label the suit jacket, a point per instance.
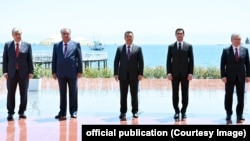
(232, 69)
(24, 61)
(180, 63)
(69, 65)
(124, 66)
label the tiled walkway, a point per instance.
(101, 106)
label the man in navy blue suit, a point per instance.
(17, 69)
(67, 68)
(128, 70)
(235, 71)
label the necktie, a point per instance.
(236, 54)
(17, 54)
(17, 50)
(128, 52)
(65, 49)
(179, 46)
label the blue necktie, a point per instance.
(65, 49)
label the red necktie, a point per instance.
(17, 53)
(128, 52)
(236, 54)
(17, 50)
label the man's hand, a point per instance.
(224, 80)
(190, 77)
(30, 75)
(79, 75)
(248, 79)
(116, 77)
(54, 76)
(5, 75)
(170, 77)
(140, 77)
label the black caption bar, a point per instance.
(163, 132)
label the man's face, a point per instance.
(179, 35)
(66, 36)
(129, 37)
(236, 41)
(17, 36)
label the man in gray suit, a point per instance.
(67, 68)
(17, 69)
(235, 70)
(180, 65)
(128, 69)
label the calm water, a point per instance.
(154, 55)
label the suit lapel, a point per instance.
(12, 48)
(242, 52)
(133, 49)
(23, 47)
(124, 51)
(60, 47)
(231, 50)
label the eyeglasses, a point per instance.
(179, 33)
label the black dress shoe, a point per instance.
(228, 119)
(183, 116)
(176, 116)
(74, 116)
(10, 117)
(122, 117)
(60, 117)
(135, 115)
(22, 116)
(240, 119)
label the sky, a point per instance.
(152, 21)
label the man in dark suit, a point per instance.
(17, 68)
(128, 69)
(67, 68)
(180, 65)
(235, 70)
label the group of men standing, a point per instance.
(128, 70)
(18, 69)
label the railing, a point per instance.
(87, 58)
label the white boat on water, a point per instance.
(97, 46)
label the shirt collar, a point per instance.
(130, 46)
(236, 47)
(180, 42)
(17, 42)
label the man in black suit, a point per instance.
(235, 70)
(180, 65)
(67, 68)
(17, 69)
(128, 69)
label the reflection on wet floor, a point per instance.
(100, 106)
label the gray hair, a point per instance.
(67, 30)
(235, 35)
(16, 30)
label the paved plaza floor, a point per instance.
(98, 103)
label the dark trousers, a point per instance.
(175, 93)
(124, 85)
(23, 88)
(71, 83)
(240, 88)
